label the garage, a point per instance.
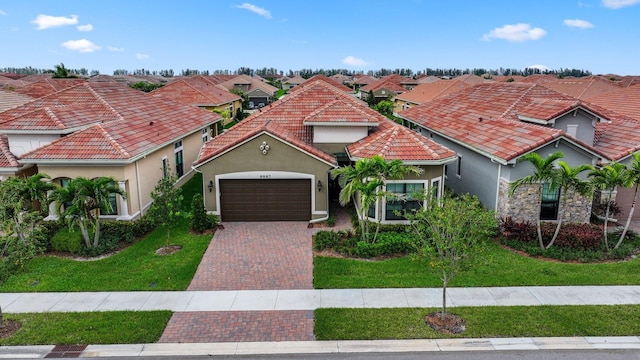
(625, 200)
(265, 199)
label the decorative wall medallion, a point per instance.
(264, 148)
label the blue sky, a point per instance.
(597, 35)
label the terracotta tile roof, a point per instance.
(485, 117)
(318, 101)
(10, 99)
(339, 112)
(428, 91)
(331, 81)
(390, 82)
(625, 101)
(7, 159)
(618, 138)
(396, 142)
(196, 90)
(427, 79)
(471, 79)
(47, 86)
(252, 82)
(581, 88)
(121, 123)
(364, 79)
(296, 80)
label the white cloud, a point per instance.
(617, 4)
(258, 10)
(82, 45)
(2, 12)
(538, 66)
(115, 49)
(515, 33)
(354, 61)
(581, 24)
(46, 21)
(142, 56)
(87, 27)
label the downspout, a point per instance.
(139, 190)
(498, 186)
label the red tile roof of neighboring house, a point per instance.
(390, 82)
(471, 79)
(485, 117)
(316, 101)
(119, 123)
(581, 88)
(396, 142)
(47, 86)
(364, 79)
(428, 91)
(252, 82)
(196, 90)
(331, 81)
(10, 99)
(625, 101)
(7, 159)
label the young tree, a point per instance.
(543, 169)
(85, 199)
(607, 178)
(448, 234)
(167, 200)
(632, 178)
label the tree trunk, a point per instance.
(445, 281)
(626, 226)
(538, 226)
(96, 235)
(85, 233)
(1, 319)
(560, 217)
(606, 222)
(379, 204)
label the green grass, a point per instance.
(497, 267)
(114, 327)
(482, 322)
(135, 268)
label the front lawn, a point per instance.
(136, 268)
(113, 327)
(499, 267)
(482, 322)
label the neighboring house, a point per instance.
(47, 86)
(9, 165)
(274, 165)
(582, 88)
(491, 126)
(387, 87)
(107, 129)
(425, 92)
(200, 91)
(290, 83)
(259, 93)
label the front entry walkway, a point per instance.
(257, 256)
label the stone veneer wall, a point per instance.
(524, 205)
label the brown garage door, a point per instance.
(624, 200)
(265, 200)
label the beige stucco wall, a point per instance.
(249, 160)
(140, 177)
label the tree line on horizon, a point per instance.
(307, 73)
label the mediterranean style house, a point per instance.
(95, 129)
(274, 165)
(491, 126)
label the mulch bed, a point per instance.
(451, 324)
(10, 328)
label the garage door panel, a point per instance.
(265, 200)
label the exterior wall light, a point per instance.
(319, 185)
(264, 147)
(210, 186)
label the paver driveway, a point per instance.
(257, 256)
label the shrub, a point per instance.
(199, 220)
(389, 243)
(326, 240)
(66, 240)
(118, 231)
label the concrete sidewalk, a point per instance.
(259, 300)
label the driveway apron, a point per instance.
(257, 256)
(250, 256)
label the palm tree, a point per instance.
(567, 178)
(608, 178)
(36, 190)
(632, 178)
(85, 199)
(543, 169)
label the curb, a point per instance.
(328, 347)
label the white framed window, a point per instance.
(165, 166)
(205, 134)
(459, 168)
(177, 149)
